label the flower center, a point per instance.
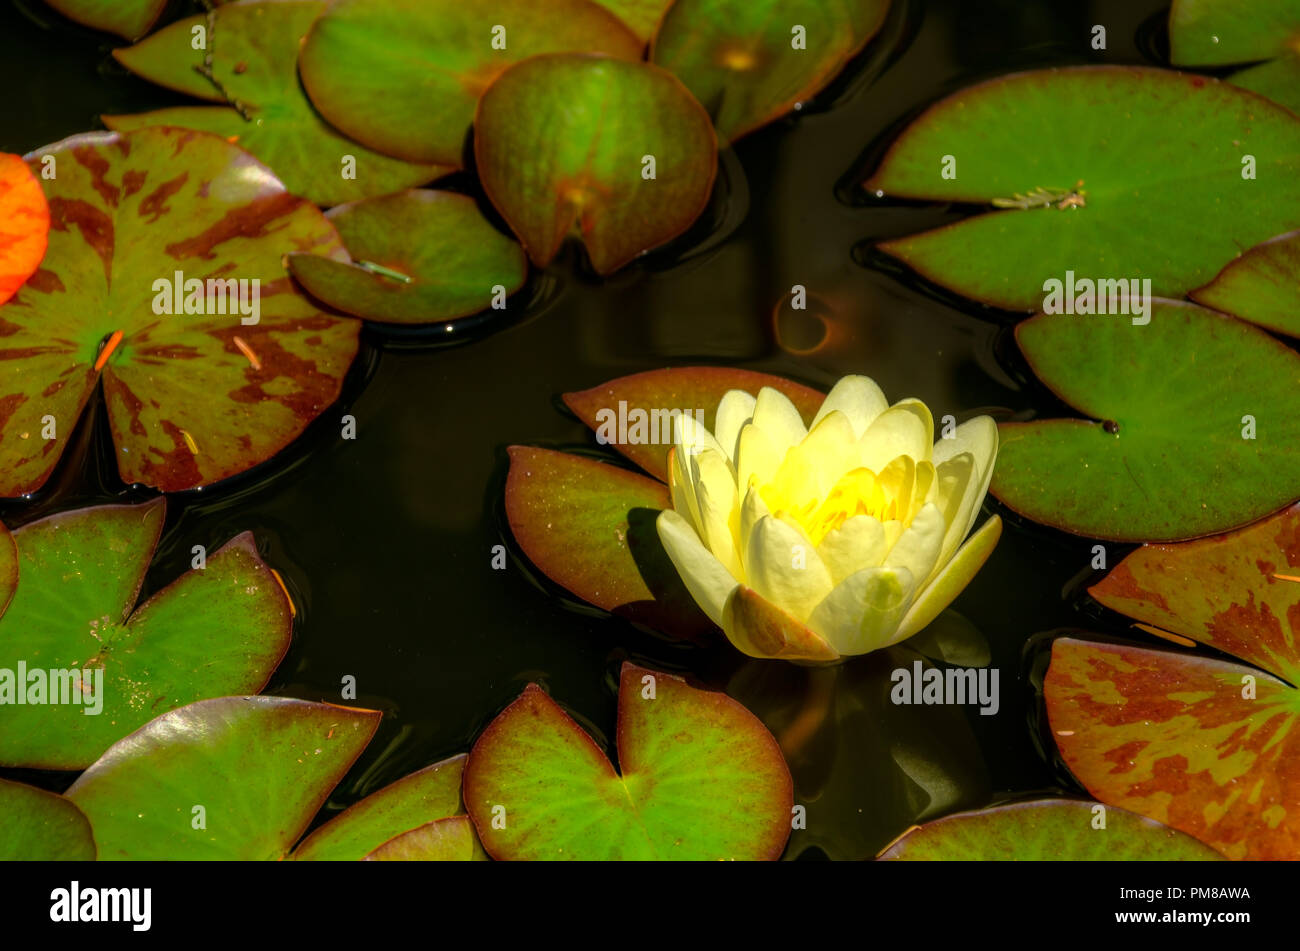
(858, 492)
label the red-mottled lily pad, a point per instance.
(1165, 455)
(590, 527)
(413, 802)
(213, 631)
(417, 256)
(24, 224)
(192, 397)
(1262, 286)
(403, 76)
(452, 839)
(620, 151)
(701, 778)
(227, 778)
(629, 413)
(40, 826)
(1203, 745)
(1076, 200)
(752, 61)
(253, 49)
(1048, 830)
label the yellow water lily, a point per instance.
(813, 543)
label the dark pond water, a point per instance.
(386, 541)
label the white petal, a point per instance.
(905, 429)
(752, 511)
(715, 490)
(709, 583)
(775, 551)
(681, 486)
(779, 420)
(734, 410)
(917, 549)
(952, 578)
(858, 398)
(859, 543)
(811, 468)
(757, 458)
(863, 611)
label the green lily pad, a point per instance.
(1163, 457)
(215, 630)
(619, 150)
(192, 398)
(1262, 286)
(640, 16)
(24, 224)
(641, 431)
(403, 76)
(8, 568)
(129, 19)
(438, 259)
(260, 768)
(1278, 80)
(40, 826)
(425, 796)
(1203, 745)
(1219, 32)
(444, 840)
(1076, 200)
(1048, 830)
(254, 52)
(747, 60)
(590, 528)
(702, 778)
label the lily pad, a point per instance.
(1164, 456)
(1051, 830)
(403, 76)
(253, 48)
(619, 150)
(590, 528)
(8, 568)
(1076, 200)
(425, 796)
(192, 397)
(129, 19)
(1219, 32)
(1206, 746)
(437, 259)
(1262, 286)
(752, 61)
(702, 778)
(640, 16)
(24, 224)
(40, 826)
(260, 768)
(214, 630)
(1278, 79)
(641, 431)
(444, 840)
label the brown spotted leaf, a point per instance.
(1203, 745)
(1239, 592)
(196, 392)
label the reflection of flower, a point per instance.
(811, 544)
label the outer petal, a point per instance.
(917, 549)
(863, 611)
(979, 437)
(775, 548)
(858, 543)
(752, 511)
(951, 579)
(681, 488)
(858, 398)
(708, 581)
(905, 429)
(777, 417)
(735, 409)
(760, 629)
(955, 487)
(715, 491)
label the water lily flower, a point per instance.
(817, 543)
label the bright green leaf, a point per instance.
(1219, 32)
(1194, 429)
(445, 840)
(40, 826)
(1262, 285)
